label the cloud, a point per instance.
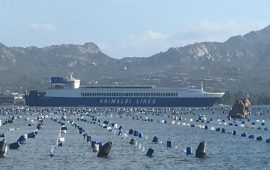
(215, 31)
(149, 35)
(43, 27)
(152, 42)
(141, 45)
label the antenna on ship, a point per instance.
(201, 85)
(71, 76)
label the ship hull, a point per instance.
(120, 102)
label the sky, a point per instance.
(128, 28)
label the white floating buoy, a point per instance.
(140, 146)
(52, 151)
(212, 128)
(143, 149)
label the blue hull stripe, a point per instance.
(120, 102)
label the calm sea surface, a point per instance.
(224, 151)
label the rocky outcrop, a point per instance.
(240, 109)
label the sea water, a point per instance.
(224, 150)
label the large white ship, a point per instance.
(67, 92)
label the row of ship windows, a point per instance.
(128, 94)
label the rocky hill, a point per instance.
(242, 62)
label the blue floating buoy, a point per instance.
(120, 128)
(263, 124)
(251, 136)
(120, 132)
(230, 124)
(223, 130)
(88, 138)
(267, 140)
(197, 120)
(31, 135)
(130, 131)
(206, 127)
(136, 133)
(192, 125)
(234, 132)
(243, 135)
(14, 145)
(155, 139)
(22, 139)
(2, 135)
(217, 129)
(259, 138)
(140, 135)
(63, 128)
(208, 121)
(150, 152)
(93, 142)
(253, 123)
(189, 150)
(52, 154)
(132, 141)
(169, 143)
(243, 122)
